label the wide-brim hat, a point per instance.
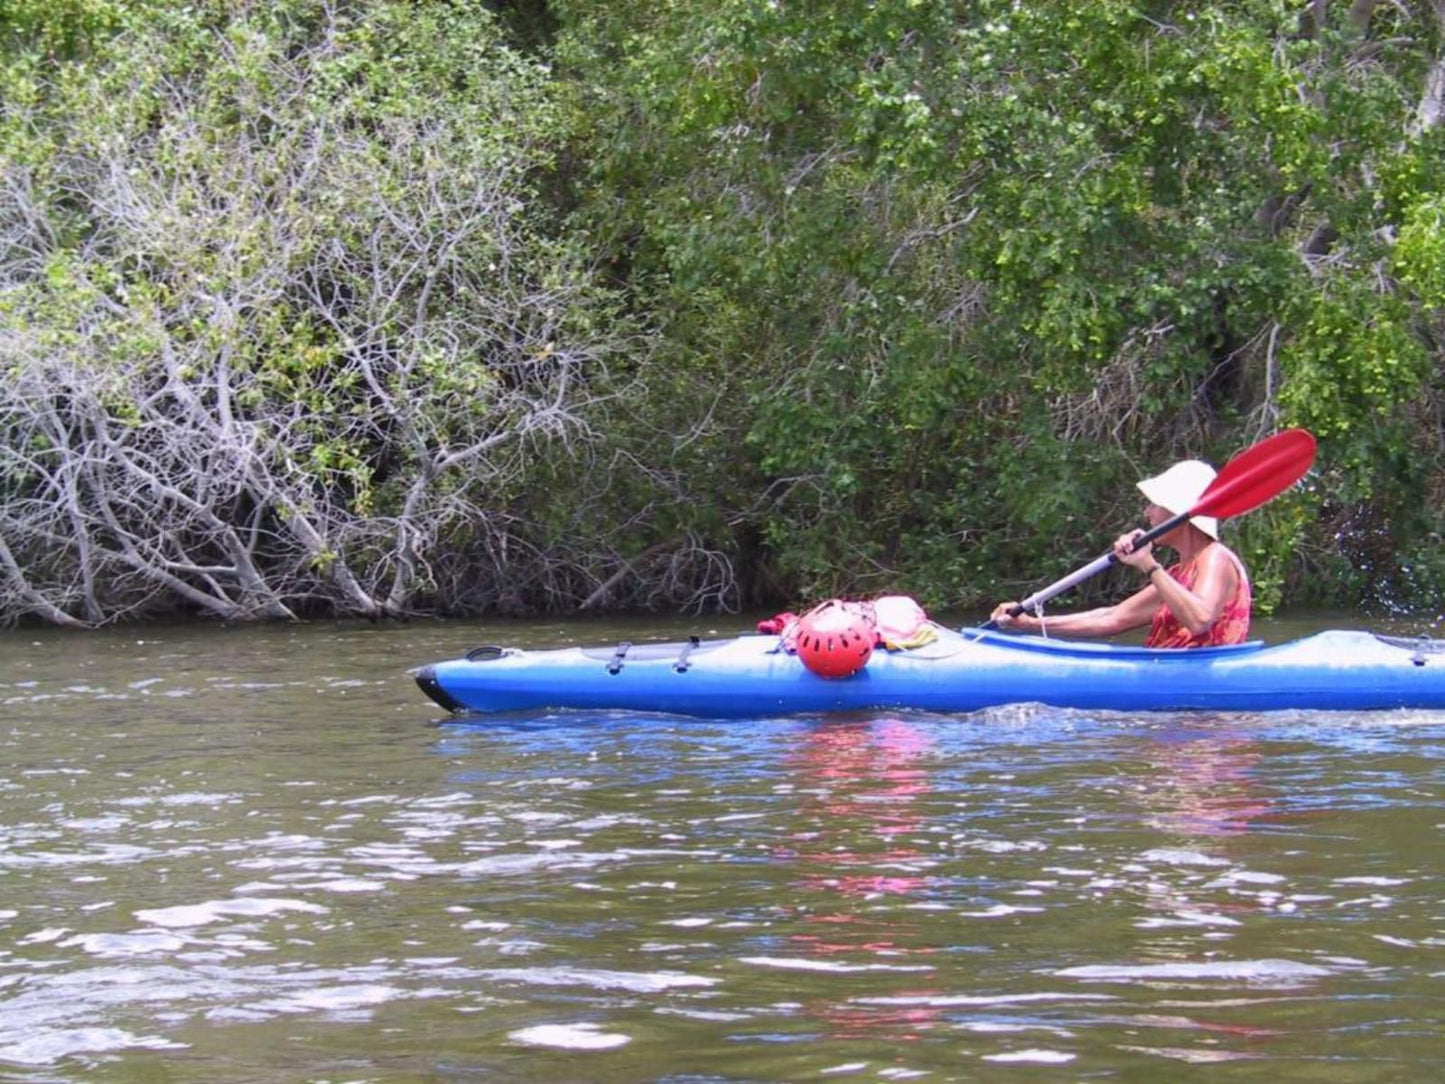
(1178, 490)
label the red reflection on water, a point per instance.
(863, 785)
(1205, 786)
(865, 779)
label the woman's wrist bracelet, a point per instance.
(1157, 567)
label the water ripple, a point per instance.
(280, 888)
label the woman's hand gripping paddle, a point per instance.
(1256, 475)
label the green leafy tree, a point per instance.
(378, 306)
(963, 271)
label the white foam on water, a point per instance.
(541, 816)
(1251, 971)
(259, 886)
(640, 982)
(713, 1015)
(1375, 900)
(106, 854)
(1001, 846)
(789, 963)
(51, 1045)
(517, 947)
(44, 937)
(442, 799)
(330, 999)
(999, 1027)
(569, 1037)
(944, 1001)
(348, 884)
(1186, 918)
(198, 798)
(1032, 1057)
(1172, 856)
(111, 946)
(503, 865)
(111, 823)
(1193, 1057)
(200, 914)
(1244, 876)
(1001, 910)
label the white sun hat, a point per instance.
(1178, 490)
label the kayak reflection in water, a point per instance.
(868, 801)
(1201, 782)
(1202, 600)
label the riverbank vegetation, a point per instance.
(384, 308)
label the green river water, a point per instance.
(257, 855)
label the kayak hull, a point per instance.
(959, 672)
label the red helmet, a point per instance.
(834, 641)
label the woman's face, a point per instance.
(1154, 514)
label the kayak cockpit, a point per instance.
(1096, 650)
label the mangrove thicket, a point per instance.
(372, 307)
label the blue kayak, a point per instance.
(958, 672)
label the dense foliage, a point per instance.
(378, 307)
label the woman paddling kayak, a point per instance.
(1202, 600)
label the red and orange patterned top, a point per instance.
(1232, 626)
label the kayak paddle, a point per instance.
(1256, 475)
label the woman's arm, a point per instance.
(1129, 613)
(1199, 609)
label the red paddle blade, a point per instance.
(1258, 474)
